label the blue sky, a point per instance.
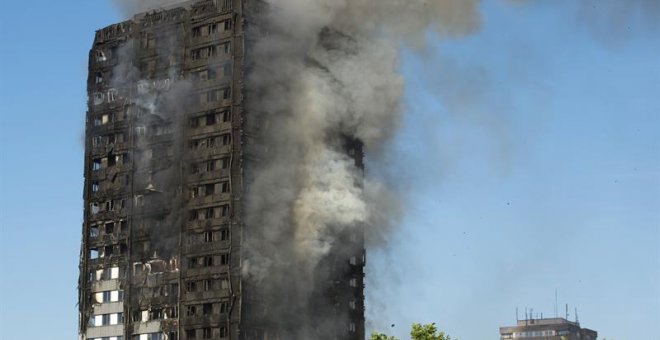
(529, 155)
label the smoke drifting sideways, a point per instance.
(322, 72)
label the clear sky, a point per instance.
(529, 155)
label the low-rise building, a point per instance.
(547, 329)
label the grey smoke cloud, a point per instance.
(327, 71)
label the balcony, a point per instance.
(204, 224)
(147, 327)
(205, 247)
(100, 286)
(109, 308)
(104, 331)
(210, 152)
(222, 269)
(203, 130)
(207, 200)
(202, 176)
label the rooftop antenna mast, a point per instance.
(556, 311)
(577, 320)
(526, 318)
(567, 311)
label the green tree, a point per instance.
(418, 332)
(427, 332)
(381, 336)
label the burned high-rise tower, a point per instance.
(186, 222)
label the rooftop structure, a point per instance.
(547, 329)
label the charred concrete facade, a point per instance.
(166, 166)
(547, 329)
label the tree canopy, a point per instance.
(417, 332)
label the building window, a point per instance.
(96, 164)
(208, 285)
(98, 98)
(208, 236)
(207, 309)
(224, 283)
(226, 116)
(213, 28)
(99, 56)
(191, 310)
(224, 307)
(226, 139)
(94, 231)
(112, 96)
(191, 286)
(227, 25)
